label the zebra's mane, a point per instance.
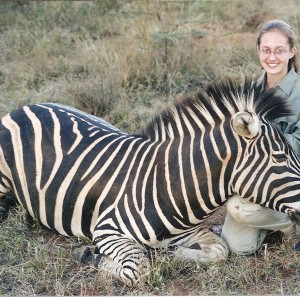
(225, 97)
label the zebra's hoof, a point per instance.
(84, 254)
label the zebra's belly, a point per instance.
(68, 216)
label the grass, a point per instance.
(124, 61)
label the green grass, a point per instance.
(124, 61)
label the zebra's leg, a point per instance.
(203, 246)
(118, 255)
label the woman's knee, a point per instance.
(242, 210)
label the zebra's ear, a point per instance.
(246, 124)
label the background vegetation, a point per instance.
(125, 60)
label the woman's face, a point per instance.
(274, 53)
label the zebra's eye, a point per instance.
(279, 157)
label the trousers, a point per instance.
(247, 224)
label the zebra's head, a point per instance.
(267, 170)
(226, 136)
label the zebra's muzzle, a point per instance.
(294, 215)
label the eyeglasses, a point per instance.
(276, 52)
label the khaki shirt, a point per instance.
(289, 86)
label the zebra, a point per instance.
(81, 176)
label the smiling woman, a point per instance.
(247, 224)
(276, 51)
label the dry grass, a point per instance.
(124, 61)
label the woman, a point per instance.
(246, 224)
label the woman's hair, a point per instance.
(287, 31)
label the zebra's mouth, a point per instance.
(294, 215)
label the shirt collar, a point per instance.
(286, 84)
